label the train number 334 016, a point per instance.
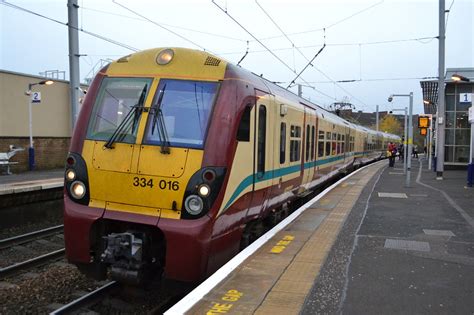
(162, 184)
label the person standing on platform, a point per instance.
(400, 152)
(415, 151)
(391, 152)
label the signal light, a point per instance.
(70, 161)
(209, 175)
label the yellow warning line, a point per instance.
(298, 278)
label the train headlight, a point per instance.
(70, 175)
(78, 189)
(165, 56)
(204, 190)
(193, 204)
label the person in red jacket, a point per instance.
(391, 152)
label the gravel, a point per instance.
(43, 290)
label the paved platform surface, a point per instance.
(31, 181)
(370, 246)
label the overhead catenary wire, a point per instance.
(421, 40)
(161, 26)
(112, 41)
(264, 46)
(293, 44)
(448, 11)
(167, 25)
(255, 38)
(376, 79)
(330, 25)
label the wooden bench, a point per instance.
(6, 156)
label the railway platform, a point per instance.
(31, 181)
(369, 245)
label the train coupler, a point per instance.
(125, 253)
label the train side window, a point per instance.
(282, 142)
(312, 142)
(243, 134)
(338, 146)
(328, 143)
(320, 143)
(295, 143)
(262, 130)
(307, 142)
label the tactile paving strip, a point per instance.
(407, 245)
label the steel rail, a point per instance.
(88, 299)
(21, 239)
(30, 263)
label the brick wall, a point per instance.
(50, 152)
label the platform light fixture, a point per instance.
(457, 77)
(31, 150)
(409, 141)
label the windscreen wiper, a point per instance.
(132, 118)
(158, 120)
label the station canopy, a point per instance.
(430, 95)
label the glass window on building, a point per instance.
(461, 154)
(449, 138)
(457, 136)
(462, 120)
(449, 153)
(462, 136)
(450, 102)
(450, 116)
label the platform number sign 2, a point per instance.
(465, 98)
(36, 97)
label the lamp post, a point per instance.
(404, 138)
(410, 135)
(31, 150)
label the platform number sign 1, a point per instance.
(465, 98)
(36, 97)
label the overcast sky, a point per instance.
(385, 46)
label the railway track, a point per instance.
(88, 299)
(17, 253)
(31, 263)
(28, 237)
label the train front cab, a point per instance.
(137, 196)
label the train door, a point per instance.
(308, 157)
(263, 167)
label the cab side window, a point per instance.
(243, 133)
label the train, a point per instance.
(179, 159)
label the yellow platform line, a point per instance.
(307, 264)
(279, 276)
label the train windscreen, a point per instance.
(180, 113)
(117, 109)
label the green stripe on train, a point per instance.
(282, 172)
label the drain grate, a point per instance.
(407, 245)
(439, 232)
(392, 195)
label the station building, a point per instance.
(458, 98)
(51, 120)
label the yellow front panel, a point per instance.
(153, 162)
(143, 191)
(118, 159)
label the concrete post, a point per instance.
(440, 136)
(74, 76)
(410, 140)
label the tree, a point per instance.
(391, 124)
